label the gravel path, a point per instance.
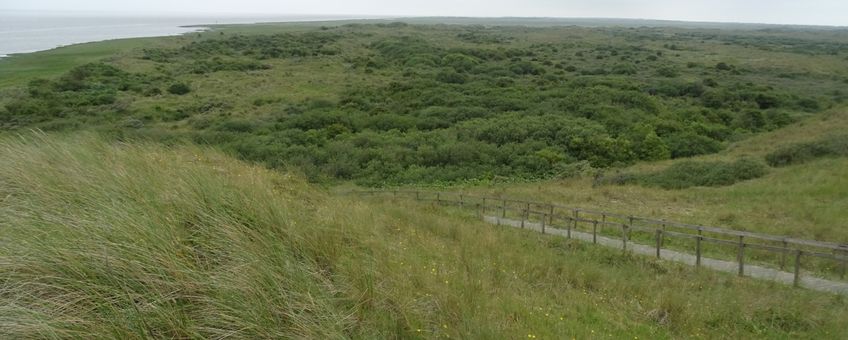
(754, 271)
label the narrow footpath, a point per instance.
(754, 271)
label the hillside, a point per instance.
(379, 103)
(186, 187)
(105, 240)
(804, 199)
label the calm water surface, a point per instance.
(24, 32)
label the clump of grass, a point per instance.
(833, 146)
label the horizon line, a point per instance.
(355, 16)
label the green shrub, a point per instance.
(667, 72)
(688, 144)
(526, 68)
(451, 77)
(237, 125)
(621, 178)
(217, 65)
(805, 152)
(179, 89)
(687, 174)
(625, 69)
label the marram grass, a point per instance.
(104, 240)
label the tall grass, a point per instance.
(102, 240)
(137, 241)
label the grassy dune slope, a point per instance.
(102, 240)
(19, 69)
(806, 200)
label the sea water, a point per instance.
(28, 31)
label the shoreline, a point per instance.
(23, 53)
(204, 24)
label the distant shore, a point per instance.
(28, 32)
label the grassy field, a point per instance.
(20, 69)
(104, 240)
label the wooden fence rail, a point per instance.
(570, 218)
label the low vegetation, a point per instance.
(170, 195)
(687, 174)
(102, 239)
(383, 104)
(833, 146)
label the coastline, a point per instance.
(200, 28)
(34, 33)
(17, 68)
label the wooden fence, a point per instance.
(822, 257)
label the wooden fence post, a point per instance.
(783, 255)
(741, 256)
(503, 208)
(797, 281)
(543, 222)
(595, 232)
(573, 224)
(603, 220)
(659, 241)
(551, 216)
(698, 251)
(438, 198)
(523, 218)
(624, 237)
(417, 196)
(461, 201)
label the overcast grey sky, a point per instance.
(812, 12)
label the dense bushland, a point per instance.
(427, 104)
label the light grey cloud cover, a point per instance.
(811, 12)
